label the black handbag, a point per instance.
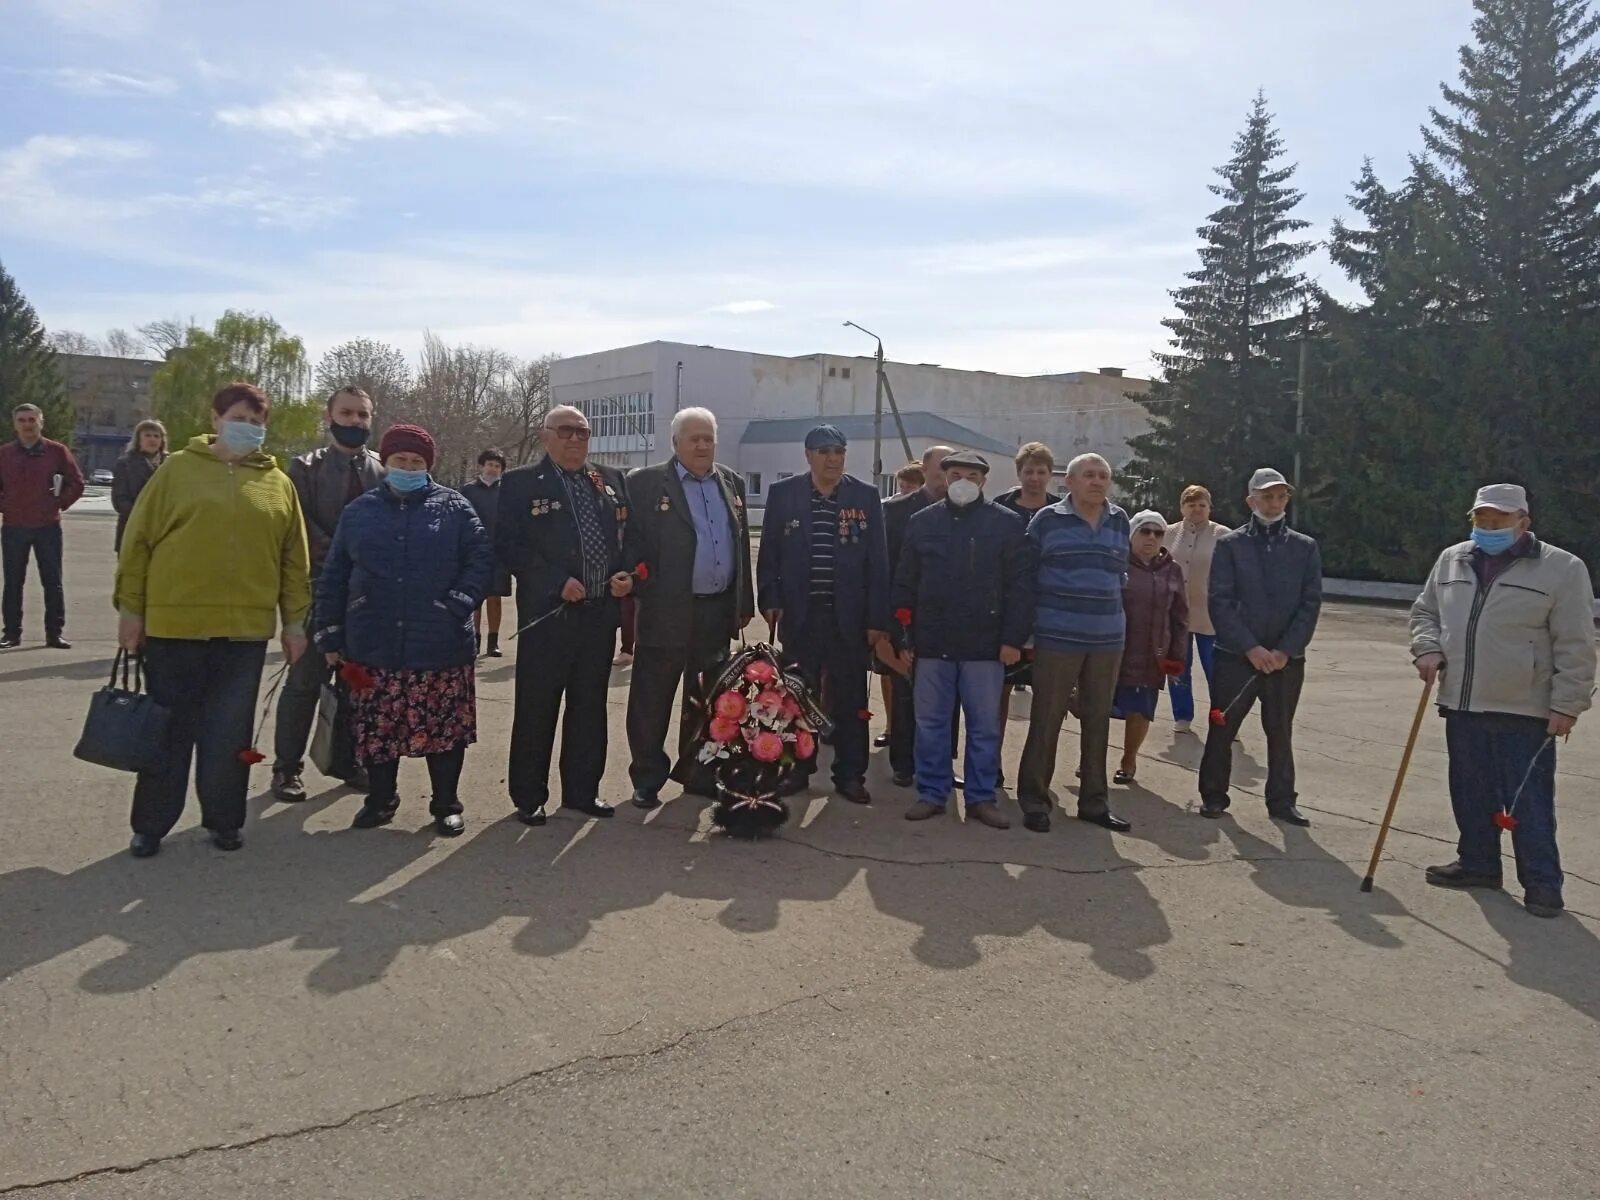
(333, 746)
(126, 729)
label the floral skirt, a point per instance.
(407, 714)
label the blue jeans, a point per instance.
(1489, 753)
(940, 684)
(1182, 688)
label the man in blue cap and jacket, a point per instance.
(822, 579)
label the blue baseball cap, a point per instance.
(826, 437)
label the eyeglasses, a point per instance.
(567, 432)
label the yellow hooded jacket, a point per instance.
(215, 550)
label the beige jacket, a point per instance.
(1192, 551)
(1525, 646)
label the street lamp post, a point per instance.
(877, 411)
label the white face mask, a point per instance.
(1266, 520)
(963, 492)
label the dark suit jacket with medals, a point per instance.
(666, 538)
(861, 555)
(536, 531)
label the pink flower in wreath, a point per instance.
(760, 671)
(767, 747)
(804, 744)
(731, 706)
(791, 707)
(723, 729)
(771, 700)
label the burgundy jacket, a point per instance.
(25, 476)
(1154, 598)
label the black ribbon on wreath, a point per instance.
(759, 726)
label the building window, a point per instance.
(785, 474)
(752, 482)
(832, 371)
(844, 372)
(621, 423)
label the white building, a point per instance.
(765, 404)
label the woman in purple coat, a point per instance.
(1157, 609)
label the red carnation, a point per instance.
(252, 756)
(865, 714)
(1218, 717)
(1505, 820)
(1171, 666)
(903, 615)
(357, 678)
(641, 572)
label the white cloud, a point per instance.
(324, 109)
(91, 81)
(741, 307)
(106, 18)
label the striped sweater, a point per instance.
(1081, 573)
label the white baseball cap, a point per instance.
(1507, 497)
(1148, 517)
(1266, 477)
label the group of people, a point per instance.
(372, 572)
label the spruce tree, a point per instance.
(29, 372)
(1225, 403)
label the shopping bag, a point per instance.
(333, 747)
(126, 729)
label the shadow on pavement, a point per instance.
(1560, 957)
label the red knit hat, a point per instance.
(402, 439)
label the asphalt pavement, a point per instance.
(860, 1006)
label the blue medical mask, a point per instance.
(241, 437)
(1494, 541)
(406, 481)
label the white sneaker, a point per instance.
(1181, 727)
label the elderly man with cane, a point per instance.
(1506, 626)
(1264, 599)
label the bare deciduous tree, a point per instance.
(120, 343)
(519, 414)
(458, 389)
(166, 335)
(70, 341)
(375, 367)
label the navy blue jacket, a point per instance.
(1265, 589)
(861, 557)
(402, 580)
(966, 575)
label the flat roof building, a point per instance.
(765, 403)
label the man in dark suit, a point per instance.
(563, 530)
(897, 511)
(823, 580)
(696, 594)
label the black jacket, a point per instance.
(1266, 589)
(897, 512)
(485, 501)
(666, 539)
(966, 575)
(129, 474)
(536, 533)
(322, 477)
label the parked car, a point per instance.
(102, 477)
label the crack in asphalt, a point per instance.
(425, 1100)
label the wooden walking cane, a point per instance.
(1399, 781)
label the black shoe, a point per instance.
(881, 740)
(1454, 875)
(494, 646)
(1037, 822)
(960, 783)
(1542, 902)
(532, 816)
(144, 845)
(591, 808)
(450, 825)
(11, 641)
(905, 779)
(1289, 815)
(1214, 809)
(373, 815)
(226, 839)
(645, 800)
(56, 642)
(288, 787)
(1107, 820)
(855, 792)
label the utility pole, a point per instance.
(677, 397)
(1300, 392)
(877, 412)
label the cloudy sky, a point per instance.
(1011, 186)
